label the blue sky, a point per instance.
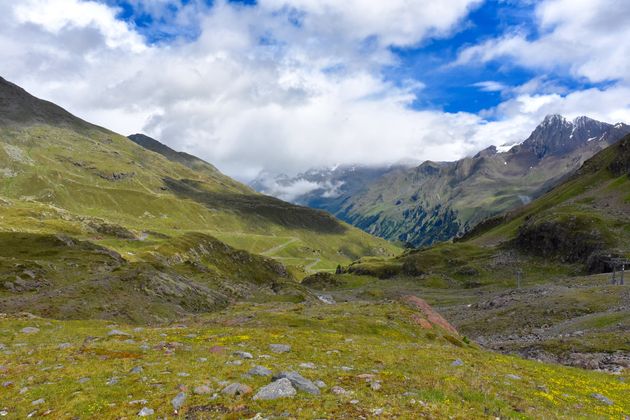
(284, 85)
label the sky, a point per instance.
(282, 86)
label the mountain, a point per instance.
(536, 280)
(94, 225)
(437, 201)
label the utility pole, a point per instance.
(519, 275)
(618, 263)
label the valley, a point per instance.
(136, 280)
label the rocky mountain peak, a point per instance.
(557, 135)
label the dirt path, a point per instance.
(280, 247)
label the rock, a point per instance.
(183, 374)
(236, 389)
(138, 402)
(202, 390)
(30, 330)
(308, 365)
(375, 386)
(337, 390)
(327, 299)
(216, 349)
(320, 384)
(259, 371)
(38, 402)
(280, 348)
(298, 381)
(281, 388)
(118, 333)
(145, 412)
(354, 402)
(243, 355)
(64, 346)
(234, 362)
(178, 401)
(602, 399)
(202, 359)
(513, 377)
(112, 381)
(136, 369)
(457, 362)
(84, 380)
(346, 368)
(377, 411)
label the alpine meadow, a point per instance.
(290, 209)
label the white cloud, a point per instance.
(311, 95)
(589, 38)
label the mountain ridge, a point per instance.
(437, 201)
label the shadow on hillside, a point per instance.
(268, 208)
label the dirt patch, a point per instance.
(431, 315)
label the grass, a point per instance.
(417, 378)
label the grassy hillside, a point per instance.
(86, 176)
(563, 311)
(374, 360)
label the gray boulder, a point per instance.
(298, 381)
(281, 388)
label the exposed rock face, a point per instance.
(572, 239)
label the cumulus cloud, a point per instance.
(587, 37)
(281, 86)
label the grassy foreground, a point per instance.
(70, 369)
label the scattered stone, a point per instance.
(4, 413)
(281, 388)
(602, 399)
(138, 402)
(130, 341)
(377, 411)
(320, 384)
(346, 368)
(84, 380)
(138, 329)
(337, 390)
(354, 402)
(178, 401)
(145, 347)
(513, 377)
(327, 299)
(202, 390)
(136, 369)
(202, 359)
(280, 348)
(308, 365)
(38, 402)
(7, 384)
(183, 374)
(112, 381)
(118, 333)
(376, 385)
(30, 330)
(264, 356)
(236, 389)
(457, 363)
(234, 362)
(259, 371)
(146, 412)
(243, 354)
(299, 382)
(64, 346)
(216, 349)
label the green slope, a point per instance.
(60, 175)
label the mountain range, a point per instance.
(438, 201)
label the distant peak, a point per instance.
(553, 118)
